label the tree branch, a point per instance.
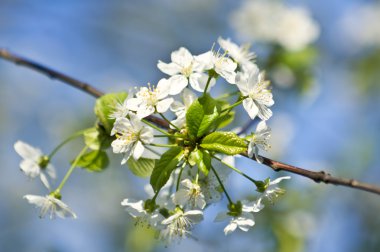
(318, 177)
(53, 74)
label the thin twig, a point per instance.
(53, 74)
(318, 177)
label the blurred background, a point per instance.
(323, 58)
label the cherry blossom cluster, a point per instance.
(190, 156)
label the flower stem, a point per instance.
(163, 117)
(236, 170)
(73, 165)
(180, 175)
(228, 95)
(221, 184)
(228, 109)
(163, 145)
(207, 84)
(155, 127)
(73, 136)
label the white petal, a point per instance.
(170, 69)
(181, 197)
(44, 180)
(133, 103)
(187, 183)
(146, 135)
(27, 151)
(194, 215)
(163, 88)
(278, 180)
(177, 84)
(163, 105)
(205, 59)
(30, 168)
(188, 97)
(176, 106)
(230, 228)
(182, 57)
(251, 148)
(37, 200)
(138, 150)
(251, 108)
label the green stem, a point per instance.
(156, 128)
(228, 109)
(236, 170)
(221, 184)
(228, 95)
(207, 84)
(179, 176)
(75, 135)
(70, 170)
(163, 117)
(163, 145)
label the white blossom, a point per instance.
(259, 98)
(180, 109)
(272, 191)
(240, 54)
(51, 206)
(179, 224)
(221, 64)
(131, 135)
(150, 99)
(292, 27)
(35, 163)
(191, 195)
(136, 210)
(259, 140)
(243, 220)
(184, 69)
(120, 111)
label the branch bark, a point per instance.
(277, 166)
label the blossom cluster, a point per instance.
(186, 154)
(291, 27)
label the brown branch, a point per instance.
(318, 177)
(53, 74)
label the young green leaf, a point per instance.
(96, 138)
(224, 142)
(142, 167)
(96, 161)
(202, 159)
(105, 106)
(164, 167)
(201, 115)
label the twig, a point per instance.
(53, 74)
(318, 177)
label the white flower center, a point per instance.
(148, 95)
(187, 71)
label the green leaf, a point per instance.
(96, 161)
(96, 138)
(224, 119)
(105, 106)
(142, 167)
(202, 159)
(202, 115)
(164, 167)
(224, 142)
